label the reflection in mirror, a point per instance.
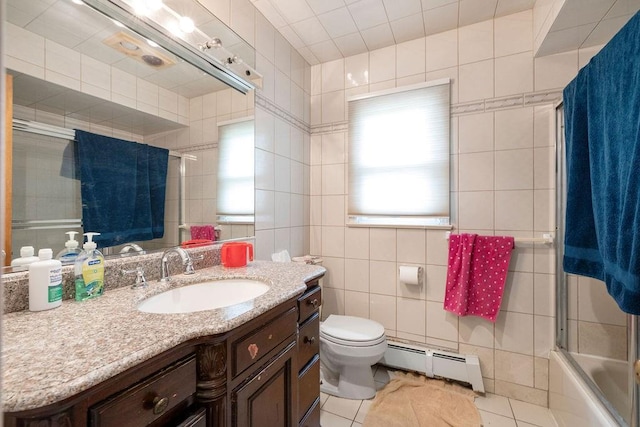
(68, 75)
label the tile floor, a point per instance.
(496, 411)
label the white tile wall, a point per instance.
(503, 183)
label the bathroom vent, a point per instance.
(434, 363)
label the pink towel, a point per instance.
(476, 274)
(205, 232)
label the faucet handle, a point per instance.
(189, 269)
(141, 282)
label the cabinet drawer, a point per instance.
(312, 419)
(309, 302)
(309, 340)
(148, 400)
(308, 386)
(252, 347)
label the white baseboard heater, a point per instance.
(434, 363)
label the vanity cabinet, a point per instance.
(264, 373)
(308, 343)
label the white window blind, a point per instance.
(399, 157)
(235, 203)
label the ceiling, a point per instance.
(324, 30)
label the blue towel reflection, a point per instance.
(123, 187)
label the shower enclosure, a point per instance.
(596, 342)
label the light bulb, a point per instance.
(186, 25)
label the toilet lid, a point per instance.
(352, 329)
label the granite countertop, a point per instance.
(48, 356)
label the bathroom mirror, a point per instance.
(73, 67)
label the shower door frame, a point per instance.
(562, 295)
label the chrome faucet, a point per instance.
(186, 261)
(131, 247)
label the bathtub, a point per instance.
(574, 403)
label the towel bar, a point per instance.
(547, 239)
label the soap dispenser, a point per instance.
(71, 251)
(89, 270)
(26, 257)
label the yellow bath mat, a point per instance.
(410, 400)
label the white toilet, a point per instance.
(349, 346)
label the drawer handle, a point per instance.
(309, 341)
(160, 404)
(313, 302)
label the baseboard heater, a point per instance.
(434, 363)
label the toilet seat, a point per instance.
(352, 331)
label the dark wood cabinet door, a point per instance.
(267, 399)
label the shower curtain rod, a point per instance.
(64, 133)
(547, 239)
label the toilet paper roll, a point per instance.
(411, 275)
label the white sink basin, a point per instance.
(204, 296)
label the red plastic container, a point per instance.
(236, 254)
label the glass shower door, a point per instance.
(598, 338)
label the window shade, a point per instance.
(235, 178)
(399, 157)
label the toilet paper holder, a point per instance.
(411, 275)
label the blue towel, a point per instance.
(122, 187)
(602, 132)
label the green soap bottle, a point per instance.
(89, 270)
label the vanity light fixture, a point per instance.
(146, 7)
(163, 26)
(187, 25)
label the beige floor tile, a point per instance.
(524, 424)
(323, 398)
(362, 412)
(493, 403)
(327, 419)
(489, 419)
(355, 424)
(346, 408)
(533, 414)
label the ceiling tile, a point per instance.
(377, 37)
(623, 8)
(408, 28)
(565, 40)
(351, 44)
(574, 14)
(270, 12)
(441, 19)
(432, 4)
(338, 22)
(293, 10)
(368, 13)
(311, 31)
(507, 7)
(322, 6)
(308, 56)
(473, 11)
(397, 9)
(605, 30)
(325, 51)
(291, 36)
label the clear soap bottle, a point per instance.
(89, 270)
(71, 250)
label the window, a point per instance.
(235, 172)
(399, 157)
